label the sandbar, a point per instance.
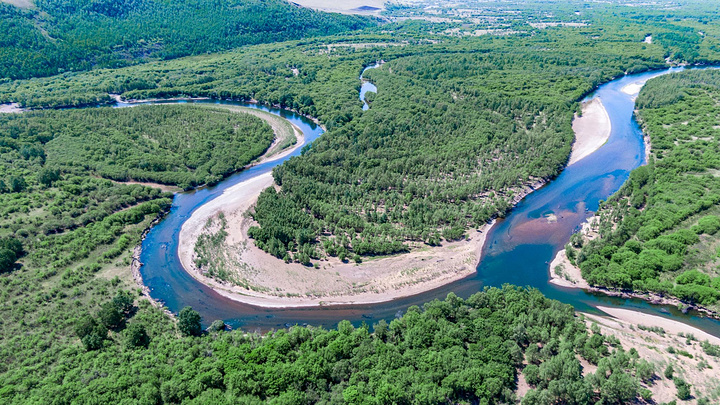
(592, 130)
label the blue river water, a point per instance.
(367, 86)
(518, 249)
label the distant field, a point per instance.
(343, 6)
(19, 3)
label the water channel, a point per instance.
(518, 249)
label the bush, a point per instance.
(669, 370)
(683, 389)
(709, 224)
(218, 326)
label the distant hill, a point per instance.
(52, 36)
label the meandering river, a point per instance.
(518, 250)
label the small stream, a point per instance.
(518, 249)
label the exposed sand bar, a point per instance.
(274, 283)
(592, 130)
(270, 282)
(670, 326)
(633, 89)
(10, 108)
(702, 371)
(564, 273)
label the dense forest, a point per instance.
(57, 202)
(55, 36)
(451, 351)
(176, 145)
(457, 128)
(659, 233)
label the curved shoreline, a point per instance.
(268, 282)
(290, 285)
(269, 155)
(592, 129)
(565, 274)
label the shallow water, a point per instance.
(367, 86)
(518, 250)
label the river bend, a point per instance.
(518, 249)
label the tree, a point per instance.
(7, 260)
(85, 326)
(17, 184)
(91, 334)
(136, 336)
(189, 322)
(123, 301)
(12, 244)
(94, 341)
(48, 176)
(110, 316)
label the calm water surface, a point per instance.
(518, 250)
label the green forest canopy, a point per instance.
(451, 351)
(54, 196)
(56, 36)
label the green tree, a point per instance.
(7, 260)
(91, 334)
(48, 176)
(136, 336)
(189, 322)
(123, 301)
(110, 316)
(17, 184)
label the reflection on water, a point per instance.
(518, 250)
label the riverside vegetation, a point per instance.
(53, 36)
(56, 205)
(659, 233)
(74, 328)
(449, 351)
(456, 131)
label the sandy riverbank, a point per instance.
(592, 130)
(701, 371)
(566, 274)
(670, 326)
